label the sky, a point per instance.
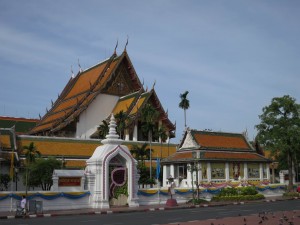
(232, 56)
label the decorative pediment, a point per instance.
(120, 85)
(189, 142)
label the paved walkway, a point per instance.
(284, 217)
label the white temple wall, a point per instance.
(98, 110)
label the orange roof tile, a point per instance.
(81, 92)
(220, 140)
(138, 105)
(123, 105)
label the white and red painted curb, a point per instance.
(131, 210)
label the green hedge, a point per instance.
(238, 197)
(238, 194)
(238, 191)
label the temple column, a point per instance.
(200, 171)
(261, 172)
(126, 135)
(172, 171)
(135, 133)
(245, 171)
(208, 172)
(165, 176)
(227, 171)
(189, 175)
(268, 171)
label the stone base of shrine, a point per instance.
(171, 202)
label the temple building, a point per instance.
(111, 86)
(78, 119)
(73, 127)
(215, 157)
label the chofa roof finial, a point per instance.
(80, 69)
(126, 43)
(115, 51)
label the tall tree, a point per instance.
(31, 153)
(149, 119)
(184, 104)
(279, 131)
(142, 153)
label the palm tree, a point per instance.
(31, 153)
(149, 118)
(141, 153)
(162, 137)
(184, 104)
(121, 118)
(103, 129)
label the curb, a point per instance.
(31, 216)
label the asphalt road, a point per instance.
(161, 217)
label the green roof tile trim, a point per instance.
(20, 126)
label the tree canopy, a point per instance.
(184, 104)
(41, 172)
(279, 131)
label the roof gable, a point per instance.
(189, 142)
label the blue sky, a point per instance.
(232, 56)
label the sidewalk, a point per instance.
(50, 213)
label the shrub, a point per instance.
(291, 194)
(4, 181)
(228, 192)
(248, 191)
(197, 201)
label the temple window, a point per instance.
(253, 170)
(218, 170)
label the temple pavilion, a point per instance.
(215, 157)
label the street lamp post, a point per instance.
(196, 169)
(16, 177)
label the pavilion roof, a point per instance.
(196, 139)
(215, 146)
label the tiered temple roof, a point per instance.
(114, 76)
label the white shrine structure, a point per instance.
(111, 166)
